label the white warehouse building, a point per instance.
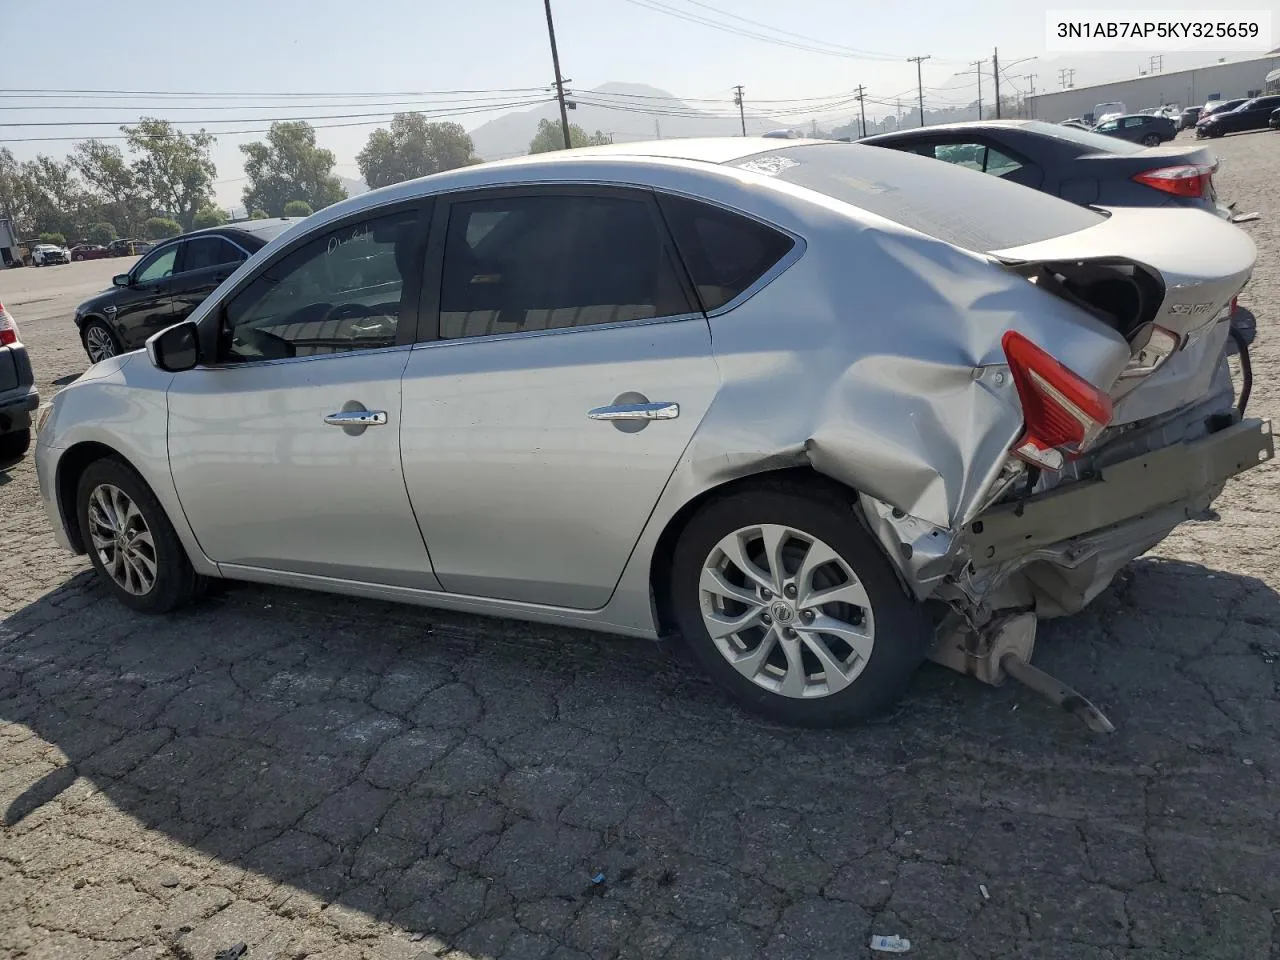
(1186, 88)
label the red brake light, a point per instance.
(1187, 180)
(1062, 413)
(8, 329)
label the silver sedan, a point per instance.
(821, 409)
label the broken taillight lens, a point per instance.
(8, 329)
(1192, 180)
(1062, 413)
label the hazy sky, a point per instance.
(277, 47)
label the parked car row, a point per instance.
(820, 409)
(1251, 114)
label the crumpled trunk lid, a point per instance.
(1198, 263)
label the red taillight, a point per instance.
(1188, 180)
(1062, 413)
(8, 329)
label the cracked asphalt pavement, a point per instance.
(319, 777)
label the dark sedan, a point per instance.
(1253, 114)
(1146, 129)
(88, 251)
(1077, 165)
(167, 284)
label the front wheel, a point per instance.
(130, 540)
(793, 609)
(100, 341)
(1151, 140)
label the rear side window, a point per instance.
(963, 207)
(205, 252)
(522, 263)
(725, 252)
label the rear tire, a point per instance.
(778, 661)
(130, 541)
(14, 445)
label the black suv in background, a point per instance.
(167, 284)
(18, 397)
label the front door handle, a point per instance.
(356, 418)
(636, 411)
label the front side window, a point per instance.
(724, 252)
(1109, 125)
(523, 263)
(205, 252)
(157, 266)
(342, 290)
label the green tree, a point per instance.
(209, 217)
(161, 228)
(11, 198)
(100, 233)
(111, 184)
(258, 215)
(289, 166)
(173, 170)
(412, 147)
(550, 136)
(57, 239)
(298, 208)
(49, 197)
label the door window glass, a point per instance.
(158, 266)
(1134, 121)
(343, 290)
(977, 156)
(517, 264)
(205, 252)
(724, 252)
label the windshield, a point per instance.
(973, 210)
(1096, 142)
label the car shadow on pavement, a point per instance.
(508, 789)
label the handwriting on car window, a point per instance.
(359, 234)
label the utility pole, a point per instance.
(897, 114)
(995, 72)
(919, 82)
(862, 106)
(737, 99)
(657, 129)
(1031, 93)
(1155, 64)
(977, 68)
(813, 129)
(555, 62)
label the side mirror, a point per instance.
(175, 348)
(120, 280)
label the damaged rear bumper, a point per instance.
(1123, 493)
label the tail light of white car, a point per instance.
(1062, 413)
(1190, 180)
(8, 329)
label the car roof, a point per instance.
(958, 127)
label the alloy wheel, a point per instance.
(786, 611)
(98, 343)
(122, 539)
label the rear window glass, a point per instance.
(725, 253)
(963, 207)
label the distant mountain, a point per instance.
(353, 187)
(626, 111)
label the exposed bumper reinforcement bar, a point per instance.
(1123, 491)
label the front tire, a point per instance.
(100, 341)
(793, 609)
(131, 542)
(1151, 140)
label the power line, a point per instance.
(829, 50)
(448, 111)
(63, 92)
(232, 133)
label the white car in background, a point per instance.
(1108, 111)
(46, 254)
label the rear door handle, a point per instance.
(661, 410)
(356, 418)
